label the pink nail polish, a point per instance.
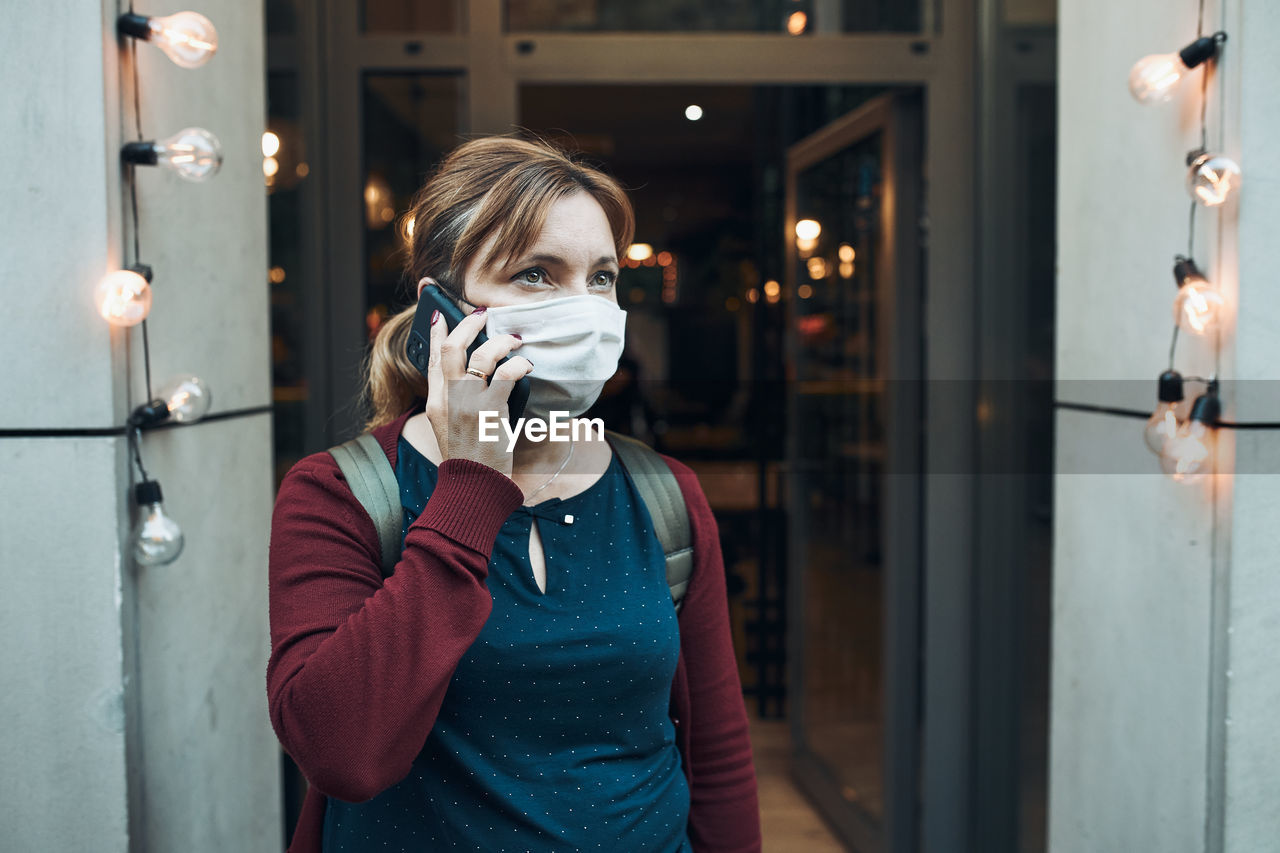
(435, 315)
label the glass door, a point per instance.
(855, 346)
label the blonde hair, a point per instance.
(499, 187)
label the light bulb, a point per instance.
(124, 297)
(1163, 424)
(1199, 307)
(193, 152)
(183, 400)
(1211, 178)
(1153, 78)
(187, 398)
(157, 539)
(270, 144)
(1187, 457)
(188, 38)
(1189, 454)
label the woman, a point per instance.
(521, 681)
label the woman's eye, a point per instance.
(602, 279)
(532, 276)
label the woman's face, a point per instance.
(573, 255)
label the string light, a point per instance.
(1186, 448)
(1154, 78)
(1162, 426)
(193, 153)
(187, 38)
(124, 296)
(1199, 308)
(157, 538)
(185, 400)
(1211, 178)
(1189, 454)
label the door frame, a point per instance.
(900, 307)
(940, 61)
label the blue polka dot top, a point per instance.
(554, 733)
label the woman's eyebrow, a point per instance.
(557, 261)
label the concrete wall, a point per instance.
(1166, 601)
(134, 698)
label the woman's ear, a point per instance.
(423, 282)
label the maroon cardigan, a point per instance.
(359, 667)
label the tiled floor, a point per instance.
(789, 823)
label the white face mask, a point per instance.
(574, 343)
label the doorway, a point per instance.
(370, 93)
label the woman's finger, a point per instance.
(453, 351)
(506, 375)
(435, 373)
(505, 378)
(488, 354)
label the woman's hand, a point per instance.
(456, 398)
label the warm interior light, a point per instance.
(270, 166)
(808, 229)
(797, 22)
(270, 144)
(817, 268)
(846, 253)
(804, 291)
(693, 112)
(639, 251)
(275, 275)
(771, 290)
(378, 207)
(753, 296)
(846, 269)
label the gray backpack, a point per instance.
(369, 474)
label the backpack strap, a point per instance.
(368, 472)
(660, 491)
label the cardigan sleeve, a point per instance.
(359, 666)
(724, 812)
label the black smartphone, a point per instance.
(419, 347)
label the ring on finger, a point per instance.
(480, 373)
